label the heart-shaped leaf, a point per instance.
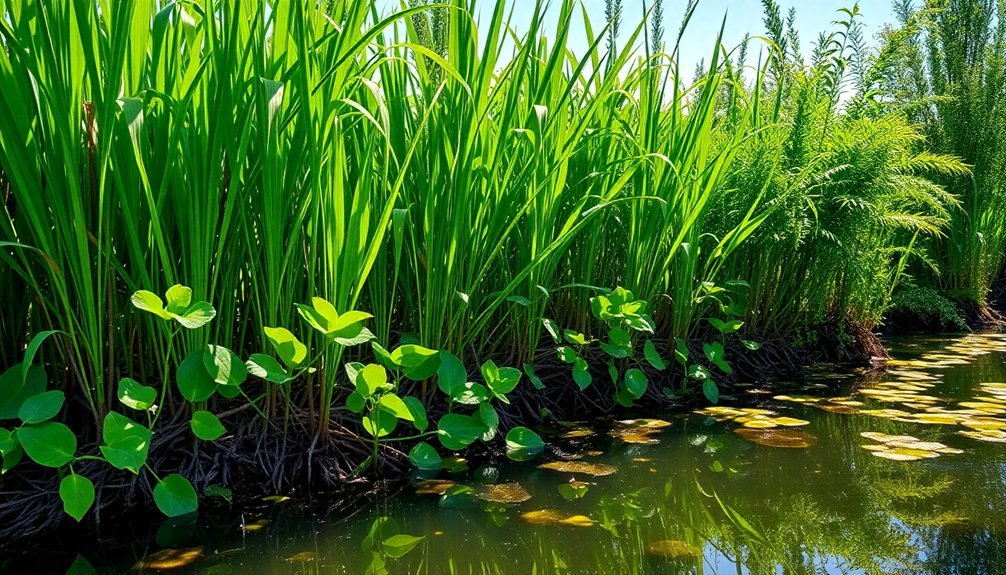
(206, 426)
(175, 496)
(136, 396)
(49, 444)
(77, 493)
(41, 407)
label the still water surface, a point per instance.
(694, 496)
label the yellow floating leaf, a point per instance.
(503, 493)
(555, 517)
(166, 559)
(790, 421)
(433, 486)
(586, 468)
(786, 438)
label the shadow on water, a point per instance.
(921, 492)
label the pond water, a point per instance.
(816, 484)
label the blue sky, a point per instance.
(743, 16)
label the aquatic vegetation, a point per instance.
(556, 517)
(786, 438)
(579, 467)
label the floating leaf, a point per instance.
(556, 517)
(582, 467)
(433, 486)
(168, 559)
(785, 438)
(503, 493)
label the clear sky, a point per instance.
(743, 16)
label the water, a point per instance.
(701, 499)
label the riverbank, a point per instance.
(699, 481)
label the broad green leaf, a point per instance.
(566, 354)
(715, 353)
(394, 405)
(710, 390)
(470, 394)
(267, 368)
(198, 315)
(41, 407)
(416, 361)
(206, 426)
(451, 373)
(371, 379)
(175, 496)
(136, 396)
(419, 419)
(522, 438)
(383, 356)
(356, 402)
(457, 431)
(424, 456)
(16, 388)
(287, 346)
(380, 423)
(150, 302)
(653, 357)
(698, 372)
(398, 545)
(581, 374)
(313, 318)
(77, 493)
(348, 325)
(358, 337)
(194, 381)
(126, 442)
(224, 366)
(636, 382)
(179, 298)
(752, 345)
(49, 444)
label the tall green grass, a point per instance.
(456, 177)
